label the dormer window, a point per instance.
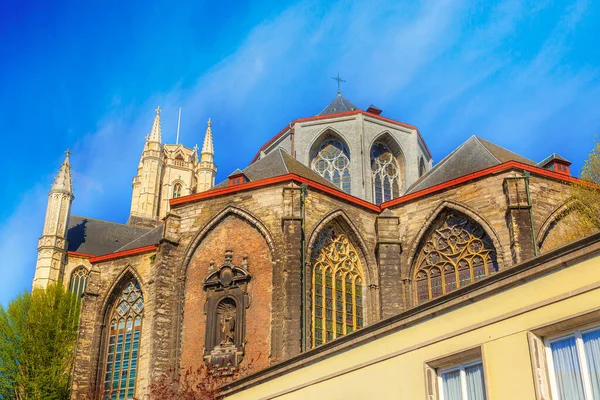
(237, 178)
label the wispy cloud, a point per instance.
(454, 68)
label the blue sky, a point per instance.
(88, 76)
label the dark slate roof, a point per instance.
(552, 157)
(150, 237)
(279, 163)
(473, 155)
(96, 237)
(338, 105)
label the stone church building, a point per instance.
(341, 220)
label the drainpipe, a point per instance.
(303, 194)
(535, 248)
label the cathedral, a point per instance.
(341, 222)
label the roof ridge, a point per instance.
(486, 149)
(283, 161)
(139, 237)
(437, 166)
(112, 222)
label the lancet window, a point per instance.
(123, 343)
(457, 252)
(386, 173)
(78, 281)
(332, 162)
(337, 287)
(177, 190)
(421, 167)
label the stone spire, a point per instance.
(63, 182)
(207, 170)
(52, 246)
(208, 150)
(155, 134)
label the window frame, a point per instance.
(463, 377)
(576, 333)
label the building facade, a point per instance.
(340, 222)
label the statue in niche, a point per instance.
(227, 299)
(227, 311)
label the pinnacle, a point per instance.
(63, 181)
(155, 132)
(207, 147)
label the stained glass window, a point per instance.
(332, 162)
(78, 281)
(177, 190)
(386, 173)
(456, 253)
(337, 303)
(123, 344)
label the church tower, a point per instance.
(166, 172)
(52, 245)
(146, 185)
(207, 170)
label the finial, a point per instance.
(339, 80)
(158, 110)
(209, 122)
(196, 147)
(68, 152)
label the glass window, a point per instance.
(125, 327)
(460, 248)
(332, 162)
(78, 281)
(574, 365)
(386, 173)
(177, 190)
(422, 169)
(462, 382)
(337, 287)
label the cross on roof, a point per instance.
(339, 80)
(68, 152)
(158, 110)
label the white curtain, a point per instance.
(475, 383)
(566, 370)
(452, 388)
(591, 344)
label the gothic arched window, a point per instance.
(78, 281)
(123, 343)
(177, 190)
(386, 173)
(337, 287)
(456, 252)
(332, 162)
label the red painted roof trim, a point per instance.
(355, 200)
(271, 181)
(77, 254)
(124, 253)
(343, 114)
(479, 174)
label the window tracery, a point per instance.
(456, 253)
(123, 344)
(332, 162)
(78, 281)
(337, 287)
(386, 173)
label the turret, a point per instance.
(147, 184)
(52, 245)
(207, 170)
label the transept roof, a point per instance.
(473, 155)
